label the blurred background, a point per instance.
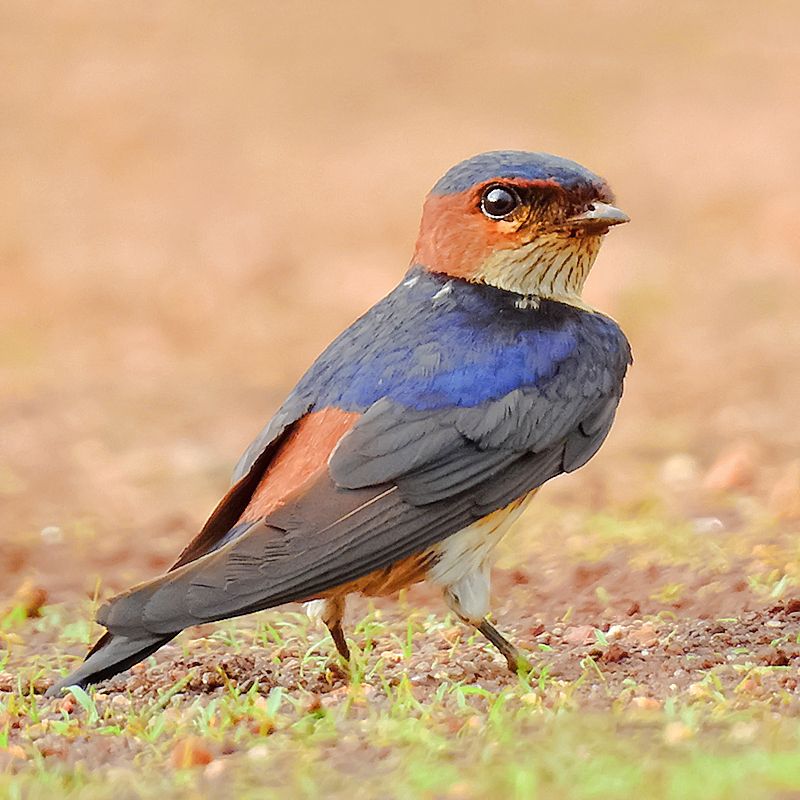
(196, 198)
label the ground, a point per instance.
(666, 661)
(193, 204)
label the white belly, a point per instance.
(464, 559)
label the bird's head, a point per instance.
(529, 223)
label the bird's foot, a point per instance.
(517, 663)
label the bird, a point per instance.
(422, 432)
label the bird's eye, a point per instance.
(498, 202)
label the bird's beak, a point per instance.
(599, 216)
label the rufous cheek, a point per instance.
(456, 239)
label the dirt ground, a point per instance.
(195, 201)
(184, 226)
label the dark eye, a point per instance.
(499, 201)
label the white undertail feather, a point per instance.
(465, 559)
(328, 610)
(315, 609)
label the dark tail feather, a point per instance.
(111, 655)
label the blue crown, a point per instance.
(515, 164)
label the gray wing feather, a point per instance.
(437, 454)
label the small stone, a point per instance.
(646, 703)
(633, 609)
(645, 636)
(314, 704)
(775, 657)
(676, 732)
(706, 525)
(333, 698)
(216, 769)
(15, 751)
(30, 598)
(744, 731)
(793, 606)
(579, 635)
(52, 534)
(537, 630)
(614, 654)
(680, 471)
(190, 752)
(735, 468)
(68, 704)
(258, 753)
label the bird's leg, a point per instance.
(331, 612)
(516, 661)
(469, 599)
(337, 634)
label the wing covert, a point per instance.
(433, 454)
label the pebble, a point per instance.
(646, 703)
(676, 732)
(215, 769)
(680, 471)
(258, 753)
(190, 752)
(615, 632)
(734, 468)
(707, 525)
(52, 534)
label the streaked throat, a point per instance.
(551, 267)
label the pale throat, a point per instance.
(551, 267)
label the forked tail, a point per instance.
(110, 655)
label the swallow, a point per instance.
(422, 432)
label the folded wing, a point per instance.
(396, 483)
